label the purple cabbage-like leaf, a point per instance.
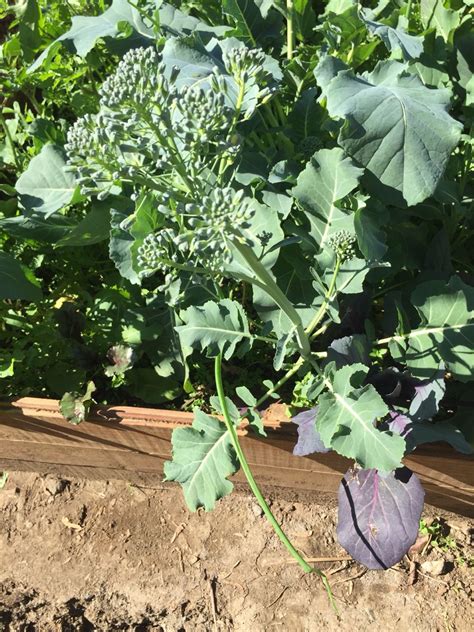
(379, 516)
(309, 439)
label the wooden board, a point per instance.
(133, 443)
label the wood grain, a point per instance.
(132, 443)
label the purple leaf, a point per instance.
(379, 517)
(309, 439)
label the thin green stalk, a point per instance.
(290, 35)
(322, 310)
(9, 138)
(253, 483)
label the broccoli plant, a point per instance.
(298, 183)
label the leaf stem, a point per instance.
(290, 35)
(10, 141)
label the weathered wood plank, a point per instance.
(133, 443)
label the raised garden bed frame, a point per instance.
(124, 442)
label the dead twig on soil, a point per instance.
(314, 560)
(230, 572)
(350, 579)
(269, 605)
(179, 529)
(212, 597)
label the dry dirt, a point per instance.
(83, 555)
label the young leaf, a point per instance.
(215, 328)
(203, 458)
(395, 126)
(328, 177)
(379, 516)
(446, 331)
(347, 418)
(45, 187)
(309, 439)
(349, 350)
(75, 407)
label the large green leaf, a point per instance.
(347, 422)
(328, 177)
(14, 283)
(214, 328)
(446, 331)
(46, 186)
(203, 458)
(394, 126)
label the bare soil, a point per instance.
(79, 555)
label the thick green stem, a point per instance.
(290, 35)
(271, 288)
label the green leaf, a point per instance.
(328, 177)
(368, 222)
(86, 31)
(347, 417)
(434, 15)
(75, 407)
(14, 283)
(394, 39)
(94, 228)
(294, 278)
(35, 226)
(121, 242)
(152, 388)
(215, 328)
(446, 331)
(247, 18)
(45, 187)
(203, 458)
(394, 126)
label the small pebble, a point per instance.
(435, 568)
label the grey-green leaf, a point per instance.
(394, 126)
(347, 422)
(445, 334)
(203, 458)
(45, 186)
(214, 328)
(328, 177)
(393, 38)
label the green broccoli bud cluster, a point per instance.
(343, 244)
(203, 114)
(158, 251)
(139, 78)
(245, 63)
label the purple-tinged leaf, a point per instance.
(399, 423)
(309, 439)
(428, 394)
(379, 517)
